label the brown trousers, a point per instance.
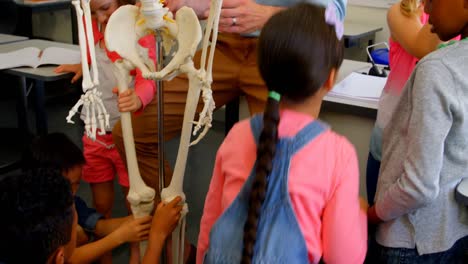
(235, 73)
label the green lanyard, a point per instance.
(443, 45)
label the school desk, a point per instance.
(39, 76)
(355, 32)
(6, 38)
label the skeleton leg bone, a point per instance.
(175, 188)
(140, 196)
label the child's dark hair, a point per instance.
(37, 216)
(126, 2)
(297, 50)
(53, 151)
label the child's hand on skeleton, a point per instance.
(166, 217)
(134, 230)
(128, 101)
(75, 68)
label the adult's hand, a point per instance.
(244, 16)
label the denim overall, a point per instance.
(279, 238)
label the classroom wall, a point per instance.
(53, 25)
(370, 15)
(57, 25)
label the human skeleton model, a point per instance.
(124, 28)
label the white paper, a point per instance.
(359, 86)
(57, 56)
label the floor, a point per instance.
(61, 97)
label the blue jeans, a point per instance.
(457, 254)
(372, 175)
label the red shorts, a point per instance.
(103, 161)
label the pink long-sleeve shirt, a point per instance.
(323, 186)
(144, 89)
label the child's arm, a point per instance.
(412, 35)
(81, 236)
(75, 68)
(344, 222)
(433, 98)
(165, 219)
(106, 226)
(131, 231)
(135, 100)
(201, 7)
(212, 209)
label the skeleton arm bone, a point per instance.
(90, 38)
(91, 100)
(206, 116)
(87, 82)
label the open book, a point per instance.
(360, 87)
(34, 57)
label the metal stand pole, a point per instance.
(160, 95)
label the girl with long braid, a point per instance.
(285, 187)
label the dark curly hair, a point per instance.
(297, 50)
(37, 216)
(52, 151)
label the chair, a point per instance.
(379, 56)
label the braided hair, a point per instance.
(297, 50)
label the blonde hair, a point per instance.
(409, 7)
